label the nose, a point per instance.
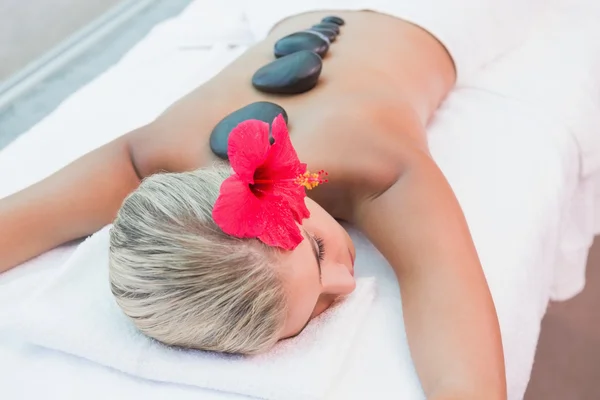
(338, 280)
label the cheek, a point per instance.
(325, 301)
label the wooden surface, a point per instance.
(567, 364)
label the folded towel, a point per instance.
(77, 314)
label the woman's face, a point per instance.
(318, 271)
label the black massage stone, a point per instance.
(292, 74)
(333, 19)
(328, 25)
(262, 110)
(328, 33)
(300, 41)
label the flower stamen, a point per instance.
(311, 180)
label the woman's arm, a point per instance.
(85, 195)
(74, 202)
(450, 319)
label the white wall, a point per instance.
(28, 28)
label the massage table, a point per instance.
(518, 148)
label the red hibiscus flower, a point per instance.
(264, 198)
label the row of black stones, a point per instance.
(299, 59)
(296, 70)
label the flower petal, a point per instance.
(282, 161)
(283, 166)
(248, 147)
(297, 204)
(294, 195)
(281, 230)
(237, 211)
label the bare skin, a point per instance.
(364, 124)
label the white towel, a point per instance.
(77, 314)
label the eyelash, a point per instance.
(321, 245)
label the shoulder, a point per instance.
(365, 147)
(159, 147)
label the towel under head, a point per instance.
(77, 314)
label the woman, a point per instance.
(184, 281)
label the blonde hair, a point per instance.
(184, 282)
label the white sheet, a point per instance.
(515, 171)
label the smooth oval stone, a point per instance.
(300, 41)
(333, 19)
(262, 110)
(319, 34)
(328, 25)
(327, 33)
(292, 74)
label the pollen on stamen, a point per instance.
(311, 180)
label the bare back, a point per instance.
(381, 81)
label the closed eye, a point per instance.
(321, 247)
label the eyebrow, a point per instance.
(315, 248)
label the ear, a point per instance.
(337, 279)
